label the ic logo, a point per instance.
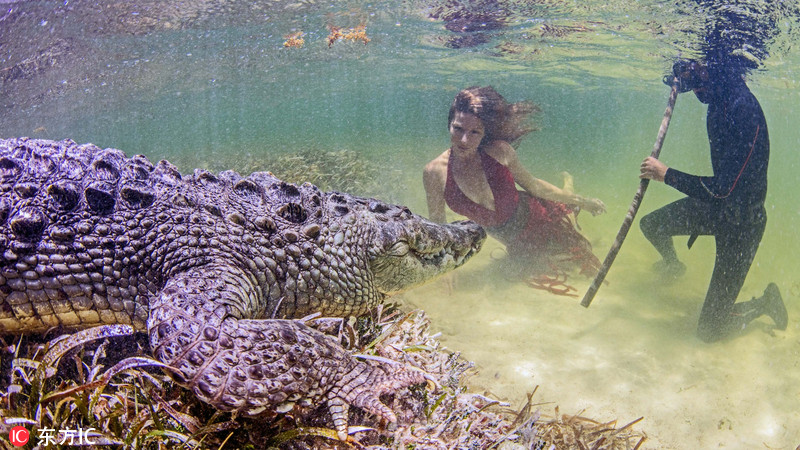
(19, 436)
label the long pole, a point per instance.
(634, 208)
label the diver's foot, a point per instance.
(673, 269)
(774, 306)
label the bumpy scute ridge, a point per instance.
(214, 267)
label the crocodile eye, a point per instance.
(399, 248)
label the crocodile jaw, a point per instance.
(411, 253)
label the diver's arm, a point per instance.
(745, 148)
(653, 169)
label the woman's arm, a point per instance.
(506, 155)
(434, 178)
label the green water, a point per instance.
(220, 89)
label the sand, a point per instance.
(632, 354)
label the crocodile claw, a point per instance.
(253, 365)
(362, 386)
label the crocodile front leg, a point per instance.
(199, 324)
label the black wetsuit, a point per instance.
(728, 206)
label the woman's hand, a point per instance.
(652, 169)
(593, 205)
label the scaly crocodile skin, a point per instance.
(212, 267)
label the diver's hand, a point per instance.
(652, 169)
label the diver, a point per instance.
(728, 205)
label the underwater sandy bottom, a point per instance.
(631, 354)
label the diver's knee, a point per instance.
(648, 225)
(709, 333)
(706, 337)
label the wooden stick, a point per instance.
(637, 200)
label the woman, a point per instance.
(477, 177)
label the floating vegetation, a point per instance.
(43, 59)
(330, 170)
(357, 34)
(560, 31)
(130, 401)
(294, 40)
(340, 170)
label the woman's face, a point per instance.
(466, 132)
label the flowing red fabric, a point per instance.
(547, 234)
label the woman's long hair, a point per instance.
(501, 120)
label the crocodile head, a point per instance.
(407, 250)
(389, 249)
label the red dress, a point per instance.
(527, 225)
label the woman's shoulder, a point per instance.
(437, 168)
(439, 162)
(501, 151)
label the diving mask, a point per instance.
(689, 75)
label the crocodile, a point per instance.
(215, 268)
